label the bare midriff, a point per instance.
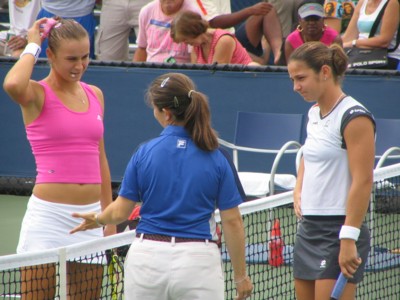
(68, 193)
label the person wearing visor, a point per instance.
(311, 28)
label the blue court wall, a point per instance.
(128, 121)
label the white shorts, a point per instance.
(167, 271)
(46, 225)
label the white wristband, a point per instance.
(32, 49)
(349, 232)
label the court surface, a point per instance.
(12, 210)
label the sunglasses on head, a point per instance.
(312, 18)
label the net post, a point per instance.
(63, 273)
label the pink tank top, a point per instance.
(328, 37)
(240, 55)
(65, 143)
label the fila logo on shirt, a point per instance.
(180, 143)
(99, 118)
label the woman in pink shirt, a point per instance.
(311, 28)
(209, 45)
(63, 119)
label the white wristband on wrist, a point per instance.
(32, 49)
(349, 232)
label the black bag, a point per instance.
(367, 58)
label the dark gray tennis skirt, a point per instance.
(317, 246)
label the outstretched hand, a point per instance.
(261, 8)
(89, 222)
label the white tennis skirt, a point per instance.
(46, 225)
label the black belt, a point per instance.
(169, 239)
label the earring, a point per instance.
(298, 28)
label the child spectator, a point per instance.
(154, 41)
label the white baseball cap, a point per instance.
(311, 9)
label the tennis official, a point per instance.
(180, 177)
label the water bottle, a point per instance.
(7, 50)
(275, 245)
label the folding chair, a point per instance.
(269, 133)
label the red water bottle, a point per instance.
(275, 254)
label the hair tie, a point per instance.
(176, 102)
(48, 26)
(190, 94)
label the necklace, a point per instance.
(82, 96)
(341, 97)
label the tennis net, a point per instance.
(102, 275)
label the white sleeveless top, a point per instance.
(327, 177)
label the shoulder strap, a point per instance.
(378, 20)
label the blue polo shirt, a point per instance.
(180, 185)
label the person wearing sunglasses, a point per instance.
(311, 28)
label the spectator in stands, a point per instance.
(357, 33)
(311, 28)
(287, 13)
(180, 177)
(258, 21)
(209, 45)
(22, 14)
(117, 19)
(154, 40)
(63, 118)
(335, 176)
(338, 13)
(79, 10)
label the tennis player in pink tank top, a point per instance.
(63, 118)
